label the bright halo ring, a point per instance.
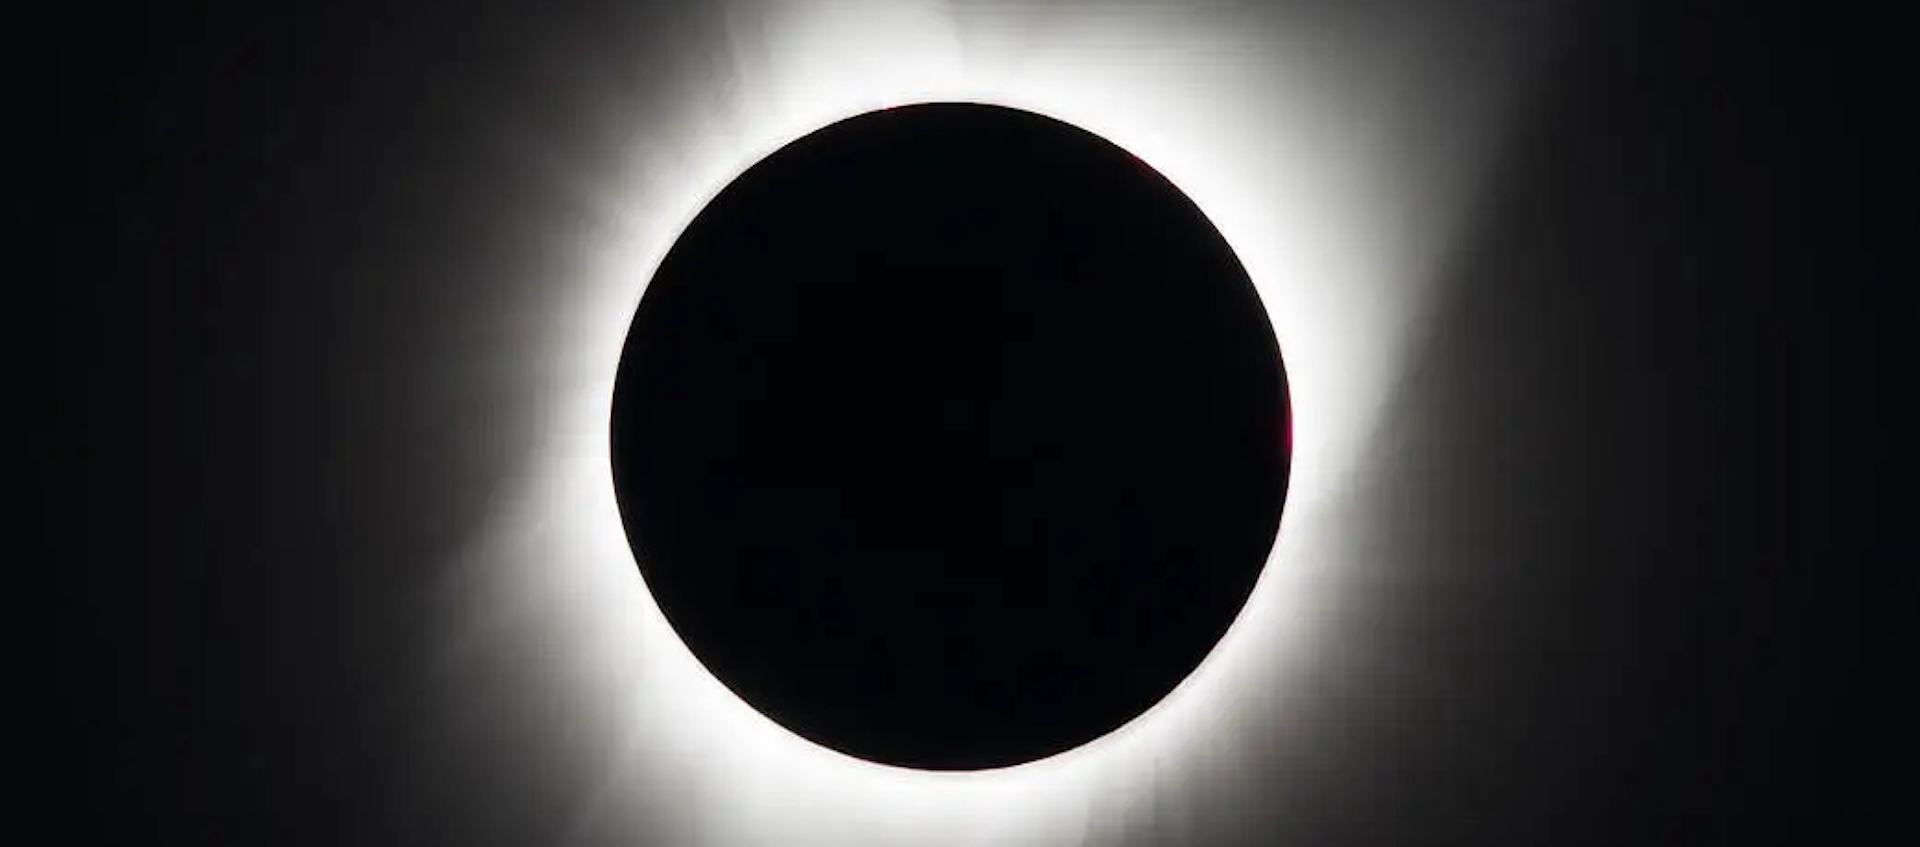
(1295, 157)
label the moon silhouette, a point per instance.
(951, 436)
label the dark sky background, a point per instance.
(1642, 501)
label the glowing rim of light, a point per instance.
(1316, 295)
(725, 184)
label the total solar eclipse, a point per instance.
(950, 436)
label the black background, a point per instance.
(1645, 479)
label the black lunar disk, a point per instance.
(951, 436)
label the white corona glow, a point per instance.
(1333, 153)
